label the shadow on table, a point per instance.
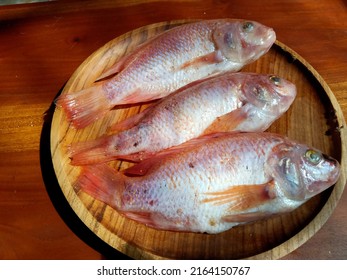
(58, 199)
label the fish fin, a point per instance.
(210, 58)
(103, 149)
(124, 61)
(245, 217)
(128, 122)
(141, 217)
(149, 159)
(155, 220)
(150, 219)
(139, 96)
(101, 182)
(136, 157)
(114, 69)
(110, 72)
(242, 197)
(145, 162)
(190, 144)
(227, 122)
(84, 107)
(90, 152)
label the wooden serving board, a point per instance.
(315, 118)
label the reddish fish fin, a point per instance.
(227, 122)
(99, 151)
(84, 107)
(211, 58)
(150, 159)
(90, 152)
(242, 197)
(154, 220)
(245, 217)
(101, 182)
(145, 162)
(110, 72)
(136, 157)
(124, 61)
(139, 96)
(141, 217)
(189, 144)
(104, 149)
(128, 122)
(114, 69)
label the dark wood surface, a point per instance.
(41, 46)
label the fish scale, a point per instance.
(228, 102)
(167, 62)
(215, 182)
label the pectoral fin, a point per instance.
(211, 58)
(242, 197)
(228, 122)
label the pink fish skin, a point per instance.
(227, 102)
(215, 182)
(169, 61)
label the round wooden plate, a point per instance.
(315, 118)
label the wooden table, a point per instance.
(42, 44)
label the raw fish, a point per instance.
(167, 62)
(215, 182)
(228, 102)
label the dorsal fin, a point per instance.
(122, 63)
(129, 122)
(142, 167)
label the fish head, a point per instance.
(304, 172)
(243, 41)
(270, 94)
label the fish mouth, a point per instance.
(287, 92)
(333, 177)
(335, 173)
(335, 168)
(265, 44)
(271, 36)
(269, 39)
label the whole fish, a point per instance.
(169, 61)
(228, 102)
(215, 182)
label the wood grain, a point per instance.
(42, 45)
(314, 119)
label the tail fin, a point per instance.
(91, 152)
(84, 107)
(99, 151)
(103, 183)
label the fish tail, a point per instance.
(103, 183)
(91, 152)
(84, 107)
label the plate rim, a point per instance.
(276, 252)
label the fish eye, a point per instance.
(275, 80)
(247, 26)
(313, 157)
